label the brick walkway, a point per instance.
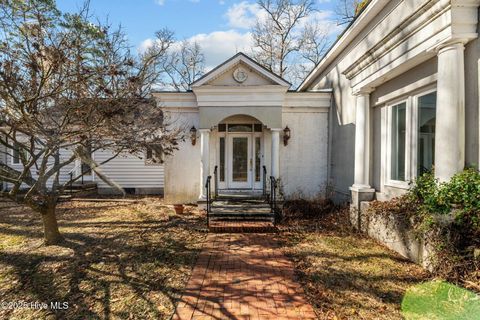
(243, 276)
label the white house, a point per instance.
(396, 94)
(241, 113)
(405, 95)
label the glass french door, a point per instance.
(240, 157)
(240, 161)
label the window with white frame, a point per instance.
(410, 141)
(398, 141)
(16, 153)
(154, 155)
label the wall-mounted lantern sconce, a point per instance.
(286, 135)
(193, 135)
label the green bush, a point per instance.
(449, 214)
(462, 192)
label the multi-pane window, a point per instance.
(411, 137)
(222, 159)
(426, 132)
(16, 153)
(399, 127)
(258, 159)
(154, 155)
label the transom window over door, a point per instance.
(410, 142)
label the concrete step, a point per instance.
(241, 217)
(263, 209)
(239, 220)
(230, 213)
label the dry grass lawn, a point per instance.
(347, 275)
(121, 260)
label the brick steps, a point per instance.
(246, 215)
(242, 227)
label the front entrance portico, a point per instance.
(237, 153)
(235, 117)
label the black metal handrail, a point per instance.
(273, 198)
(265, 183)
(80, 176)
(208, 187)
(215, 175)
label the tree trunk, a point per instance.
(50, 227)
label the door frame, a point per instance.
(251, 183)
(233, 184)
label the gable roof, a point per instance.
(221, 68)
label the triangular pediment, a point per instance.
(240, 70)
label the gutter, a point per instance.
(366, 15)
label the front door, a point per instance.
(240, 161)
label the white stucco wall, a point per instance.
(390, 52)
(304, 161)
(182, 169)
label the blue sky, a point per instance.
(219, 26)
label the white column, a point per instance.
(205, 161)
(362, 141)
(450, 116)
(276, 153)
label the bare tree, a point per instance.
(69, 87)
(184, 65)
(347, 10)
(285, 43)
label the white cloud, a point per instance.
(147, 43)
(217, 46)
(243, 15)
(160, 2)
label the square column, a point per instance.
(205, 161)
(361, 189)
(275, 152)
(450, 117)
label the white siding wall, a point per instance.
(64, 172)
(129, 171)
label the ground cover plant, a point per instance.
(345, 274)
(447, 217)
(121, 259)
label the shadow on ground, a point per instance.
(118, 261)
